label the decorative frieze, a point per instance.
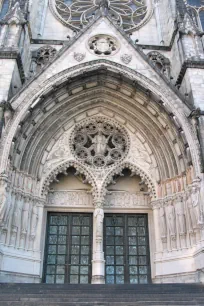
(70, 199)
(124, 199)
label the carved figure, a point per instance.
(193, 206)
(25, 217)
(34, 220)
(180, 216)
(99, 215)
(100, 143)
(162, 222)
(16, 216)
(171, 219)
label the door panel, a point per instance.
(68, 248)
(126, 249)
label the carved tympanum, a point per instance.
(99, 143)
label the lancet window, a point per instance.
(196, 11)
(4, 6)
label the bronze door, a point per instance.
(126, 249)
(68, 248)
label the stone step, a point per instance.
(101, 295)
(135, 303)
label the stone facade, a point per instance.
(101, 116)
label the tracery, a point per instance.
(126, 13)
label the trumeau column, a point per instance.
(98, 262)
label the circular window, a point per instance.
(129, 14)
(103, 45)
(99, 143)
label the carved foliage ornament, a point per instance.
(126, 58)
(99, 143)
(127, 13)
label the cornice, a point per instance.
(199, 64)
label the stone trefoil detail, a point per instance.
(99, 143)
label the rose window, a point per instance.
(127, 13)
(99, 143)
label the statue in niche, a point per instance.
(34, 220)
(193, 206)
(25, 216)
(163, 223)
(180, 215)
(171, 219)
(16, 216)
(7, 212)
(100, 143)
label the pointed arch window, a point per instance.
(201, 16)
(196, 11)
(4, 6)
(196, 3)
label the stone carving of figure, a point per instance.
(162, 223)
(16, 216)
(99, 215)
(171, 219)
(34, 220)
(193, 206)
(180, 215)
(100, 143)
(25, 216)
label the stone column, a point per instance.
(98, 262)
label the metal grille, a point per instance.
(126, 248)
(68, 248)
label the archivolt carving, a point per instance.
(135, 171)
(27, 97)
(138, 155)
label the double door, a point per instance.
(68, 250)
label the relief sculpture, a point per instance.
(70, 198)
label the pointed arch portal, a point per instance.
(155, 163)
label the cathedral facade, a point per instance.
(102, 141)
